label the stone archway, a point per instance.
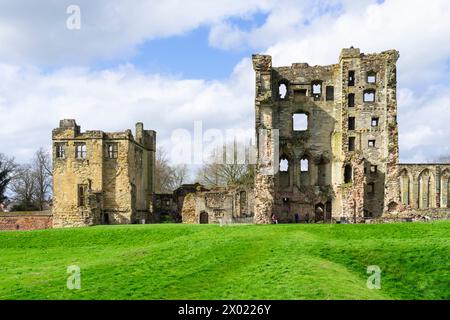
(204, 217)
(319, 211)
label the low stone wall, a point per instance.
(26, 221)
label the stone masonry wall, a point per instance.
(32, 221)
(350, 110)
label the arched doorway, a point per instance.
(203, 217)
(319, 212)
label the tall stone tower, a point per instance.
(337, 146)
(102, 177)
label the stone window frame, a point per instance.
(377, 120)
(306, 114)
(315, 83)
(302, 159)
(369, 91)
(349, 144)
(284, 158)
(351, 122)
(348, 173)
(283, 82)
(372, 143)
(329, 93)
(80, 150)
(352, 99)
(60, 150)
(351, 78)
(370, 74)
(112, 150)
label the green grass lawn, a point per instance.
(174, 261)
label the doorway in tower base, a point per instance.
(203, 217)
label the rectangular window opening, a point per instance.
(351, 144)
(300, 121)
(371, 143)
(369, 96)
(371, 77)
(61, 150)
(113, 150)
(329, 93)
(351, 78)
(374, 122)
(351, 100)
(351, 123)
(80, 150)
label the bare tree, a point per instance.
(42, 172)
(7, 169)
(179, 174)
(219, 172)
(168, 177)
(23, 185)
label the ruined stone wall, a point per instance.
(373, 121)
(343, 128)
(267, 151)
(219, 204)
(117, 184)
(424, 187)
(32, 221)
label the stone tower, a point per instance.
(102, 177)
(337, 146)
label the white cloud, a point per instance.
(35, 31)
(32, 103)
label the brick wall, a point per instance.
(29, 221)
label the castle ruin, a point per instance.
(338, 143)
(333, 139)
(102, 177)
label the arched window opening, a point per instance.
(424, 189)
(445, 189)
(316, 89)
(304, 165)
(405, 188)
(282, 91)
(284, 165)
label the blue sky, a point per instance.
(171, 63)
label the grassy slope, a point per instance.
(236, 262)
